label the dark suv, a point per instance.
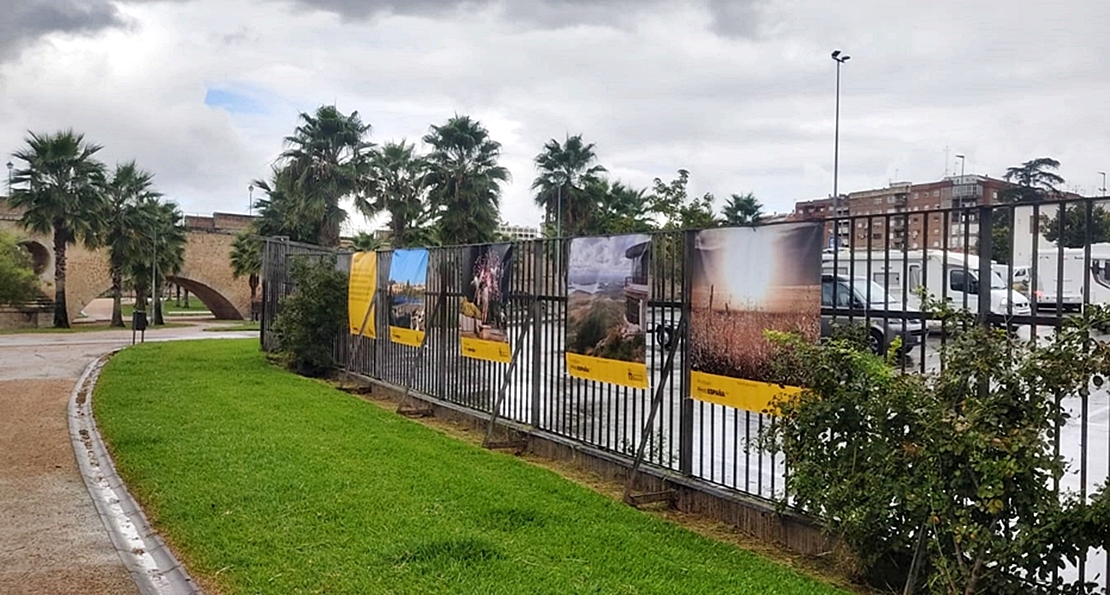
(882, 313)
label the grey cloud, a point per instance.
(27, 20)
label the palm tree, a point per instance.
(60, 192)
(127, 193)
(276, 212)
(742, 210)
(620, 209)
(324, 158)
(1034, 182)
(163, 254)
(566, 171)
(366, 242)
(464, 180)
(246, 261)
(396, 185)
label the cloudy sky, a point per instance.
(741, 93)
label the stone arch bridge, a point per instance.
(206, 272)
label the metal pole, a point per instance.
(1103, 189)
(836, 147)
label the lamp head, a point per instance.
(835, 54)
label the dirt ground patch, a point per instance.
(54, 540)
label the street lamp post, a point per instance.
(559, 211)
(1103, 189)
(250, 199)
(839, 59)
(962, 161)
(10, 166)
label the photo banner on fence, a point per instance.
(483, 315)
(408, 281)
(362, 284)
(607, 297)
(745, 281)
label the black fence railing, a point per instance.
(993, 260)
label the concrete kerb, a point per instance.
(153, 567)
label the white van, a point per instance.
(1050, 277)
(953, 276)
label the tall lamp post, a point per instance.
(962, 161)
(1103, 189)
(250, 199)
(11, 165)
(839, 58)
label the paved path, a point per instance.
(51, 538)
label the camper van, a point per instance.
(1063, 286)
(953, 276)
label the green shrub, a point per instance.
(945, 478)
(312, 316)
(18, 282)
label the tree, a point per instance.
(620, 209)
(246, 261)
(567, 171)
(324, 158)
(399, 188)
(277, 211)
(59, 190)
(163, 254)
(1033, 181)
(1075, 226)
(674, 209)
(742, 209)
(464, 180)
(311, 317)
(366, 242)
(18, 282)
(128, 193)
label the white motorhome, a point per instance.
(1064, 285)
(953, 276)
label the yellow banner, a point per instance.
(613, 371)
(360, 292)
(494, 351)
(406, 336)
(738, 393)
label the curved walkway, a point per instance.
(53, 538)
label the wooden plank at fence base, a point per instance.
(494, 351)
(738, 393)
(631, 374)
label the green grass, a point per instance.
(272, 483)
(231, 328)
(87, 328)
(169, 307)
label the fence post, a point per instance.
(686, 412)
(986, 274)
(537, 327)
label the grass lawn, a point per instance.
(231, 328)
(169, 307)
(88, 328)
(271, 483)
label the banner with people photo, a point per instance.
(361, 289)
(483, 316)
(745, 281)
(408, 281)
(607, 297)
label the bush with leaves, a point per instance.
(312, 316)
(946, 480)
(18, 281)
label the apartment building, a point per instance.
(518, 232)
(897, 216)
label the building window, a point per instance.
(936, 244)
(876, 236)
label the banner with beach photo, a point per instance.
(483, 313)
(745, 281)
(362, 285)
(408, 282)
(607, 296)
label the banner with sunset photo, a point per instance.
(744, 281)
(408, 281)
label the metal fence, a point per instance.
(873, 264)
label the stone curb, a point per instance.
(153, 567)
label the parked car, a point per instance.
(865, 302)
